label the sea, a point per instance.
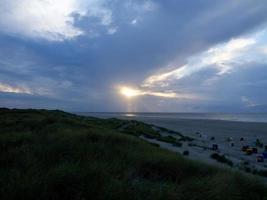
(239, 117)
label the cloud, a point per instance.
(132, 92)
(163, 43)
(134, 21)
(112, 30)
(142, 6)
(59, 20)
(53, 20)
(149, 6)
(222, 57)
(248, 102)
(11, 89)
(139, 10)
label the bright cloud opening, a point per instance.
(223, 57)
(53, 20)
(11, 89)
(130, 93)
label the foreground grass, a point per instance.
(56, 155)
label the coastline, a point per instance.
(202, 130)
(72, 156)
(208, 126)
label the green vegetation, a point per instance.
(222, 159)
(186, 153)
(137, 128)
(170, 139)
(262, 173)
(49, 155)
(259, 143)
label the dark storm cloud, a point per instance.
(143, 37)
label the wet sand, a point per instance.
(217, 128)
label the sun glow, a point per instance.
(129, 92)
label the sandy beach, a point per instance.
(221, 131)
(229, 136)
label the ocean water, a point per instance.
(241, 117)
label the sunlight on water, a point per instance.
(130, 115)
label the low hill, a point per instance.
(56, 155)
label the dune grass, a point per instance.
(55, 155)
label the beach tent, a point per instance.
(244, 148)
(249, 151)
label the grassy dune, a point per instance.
(55, 155)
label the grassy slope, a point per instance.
(55, 155)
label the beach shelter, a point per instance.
(249, 151)
(244, 148)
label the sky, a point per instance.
(134, 55)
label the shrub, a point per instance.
(186, 153)
(221, 159)
(262, 173)
(259, 143)
(168, 139)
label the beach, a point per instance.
(229, 136)
(216, 128)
